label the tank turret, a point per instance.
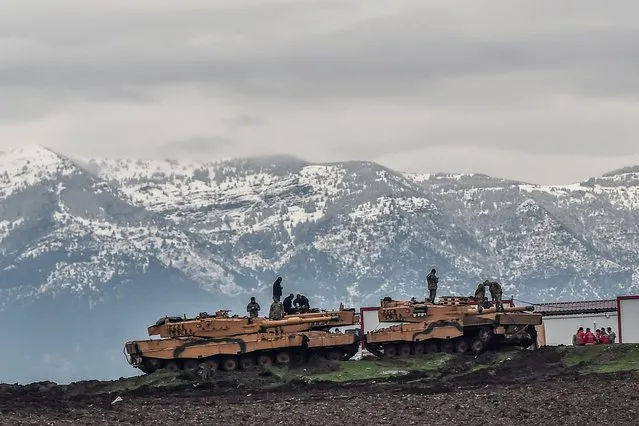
(223, 325)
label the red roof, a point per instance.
(591, 306)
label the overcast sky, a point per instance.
(541, 91)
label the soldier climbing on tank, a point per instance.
(277, 310)
(496, 294)
(432, 281)
(253, 308)
(277, 289)
(480, 296)
(288, 304)
(302, 304)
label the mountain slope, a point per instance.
(380, 230)
(63, 229)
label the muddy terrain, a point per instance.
(561, 386)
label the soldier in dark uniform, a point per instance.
(288, 304)
(432, 281)
(253, 308)
(277, 288)
(480, 296)
(301, 303)
(496, 294)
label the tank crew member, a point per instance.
(277, 289)
(288, 304)
(277, 310)
(496, 294)
(302, 303)
(480, 296)
(253, 308)
(432, 285)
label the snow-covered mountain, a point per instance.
(141, 237)
(350, 231)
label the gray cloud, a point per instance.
(198, 145)
(327, 80)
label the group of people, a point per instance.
(600, 336)
(494, 287)
(495, 293)
(291, 304)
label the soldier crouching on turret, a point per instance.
(288, 304)
(480, 296)
(496, 294)
(302, 304)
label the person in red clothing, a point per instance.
(580, 336)
(603, 338)
(589, 338)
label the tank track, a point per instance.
(248, 361)
(474, 341)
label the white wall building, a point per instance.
(628, 309)
(562, 319)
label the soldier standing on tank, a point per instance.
(288, 304)
(432, 281)
(277, 310)
(480, 296)
(253, 308)
(496, 294)
(277, 289)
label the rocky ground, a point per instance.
(562, 386)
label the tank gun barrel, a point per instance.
(492, 310)
(299, 320)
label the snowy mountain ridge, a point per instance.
(347, 231)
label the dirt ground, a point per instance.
(532, 390)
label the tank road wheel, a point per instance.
(283, 358)
(298, 359)
(264, 360)
(315, 357)
(418, 348)
(431, 347)
(334, 355)
(477, 345)
(485, 334)
(448, 346)
(229, 364)
(404, 350)
(247, 362)
(208, 368)
(462, 346)
(191, 364)
(390, 350)
(211, 364)
(152, 365)
(172, 366)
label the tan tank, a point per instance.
(452, 326)
(230, 343)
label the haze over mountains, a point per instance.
(94, 251)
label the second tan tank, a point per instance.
(458, 326)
